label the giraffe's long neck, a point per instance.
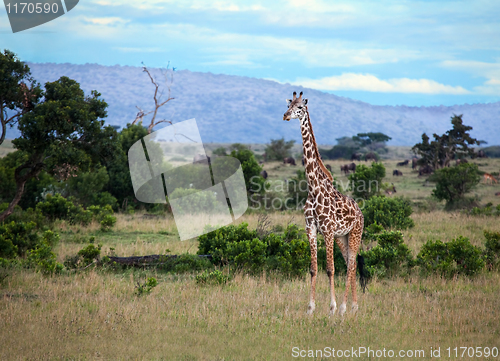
(316, 171)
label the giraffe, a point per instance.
(490, 178)
(328, 211)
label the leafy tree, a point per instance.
(366, 181)
(338, 151)
(251, 169)
(365, 139)
(86, 187)
(279, 149)
(454, 182)
(120, 182)
(455, 143)
(19, 92)
(220, 151)
(65, 130)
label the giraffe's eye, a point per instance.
(300, 107)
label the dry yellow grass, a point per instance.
(96, 315)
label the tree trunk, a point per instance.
(15, 201)
(21, 180)
(4, 131)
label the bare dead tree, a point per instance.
(158, 94)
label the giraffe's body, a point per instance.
(328, 211)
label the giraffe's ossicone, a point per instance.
(336, 216)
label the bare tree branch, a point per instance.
(157, 99)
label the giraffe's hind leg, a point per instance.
(343, 243)
(312, 236)
(354, 242)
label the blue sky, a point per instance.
(415, 53)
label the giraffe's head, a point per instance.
(296, 107)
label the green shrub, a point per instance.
(107, 223)
(449, 259)
(366, 181)
(146, 287)
(193, 200)
(249, 254)
(391, 256)
(452, 183)
(487, 210)
(42, 258)
(17, 237)
(216, 242)
(184, 263)
(287, 253)
(212, 278)
(492, 250)
(85, 256)
(388, 212)
(55, 207)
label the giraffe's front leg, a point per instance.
(330, 270)
(312, 236)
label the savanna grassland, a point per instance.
(96, 314)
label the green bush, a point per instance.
(287, 253)
(17, 238)
(391, 256)
(184, 263)
(107, 223)
(58, 207)
(492, 250)
(212, 278)
(193, 200)
(452, 183)
(388, 212)
(146, 287)
(487, 210)
(449, 259)
(55, 207)
(42, 258)
(366, 181)
(216, 242)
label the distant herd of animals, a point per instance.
(347, 168)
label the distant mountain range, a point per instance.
(232, 109)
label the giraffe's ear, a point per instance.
(304, 101)
(288, 101)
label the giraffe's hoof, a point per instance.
(333, 308)
(342, 309)
(354, 308)
(310, 308)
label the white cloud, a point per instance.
(109, 21)
(490, 71)
(368, 82)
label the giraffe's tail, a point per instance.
(363, 272)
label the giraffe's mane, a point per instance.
(315, 146)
